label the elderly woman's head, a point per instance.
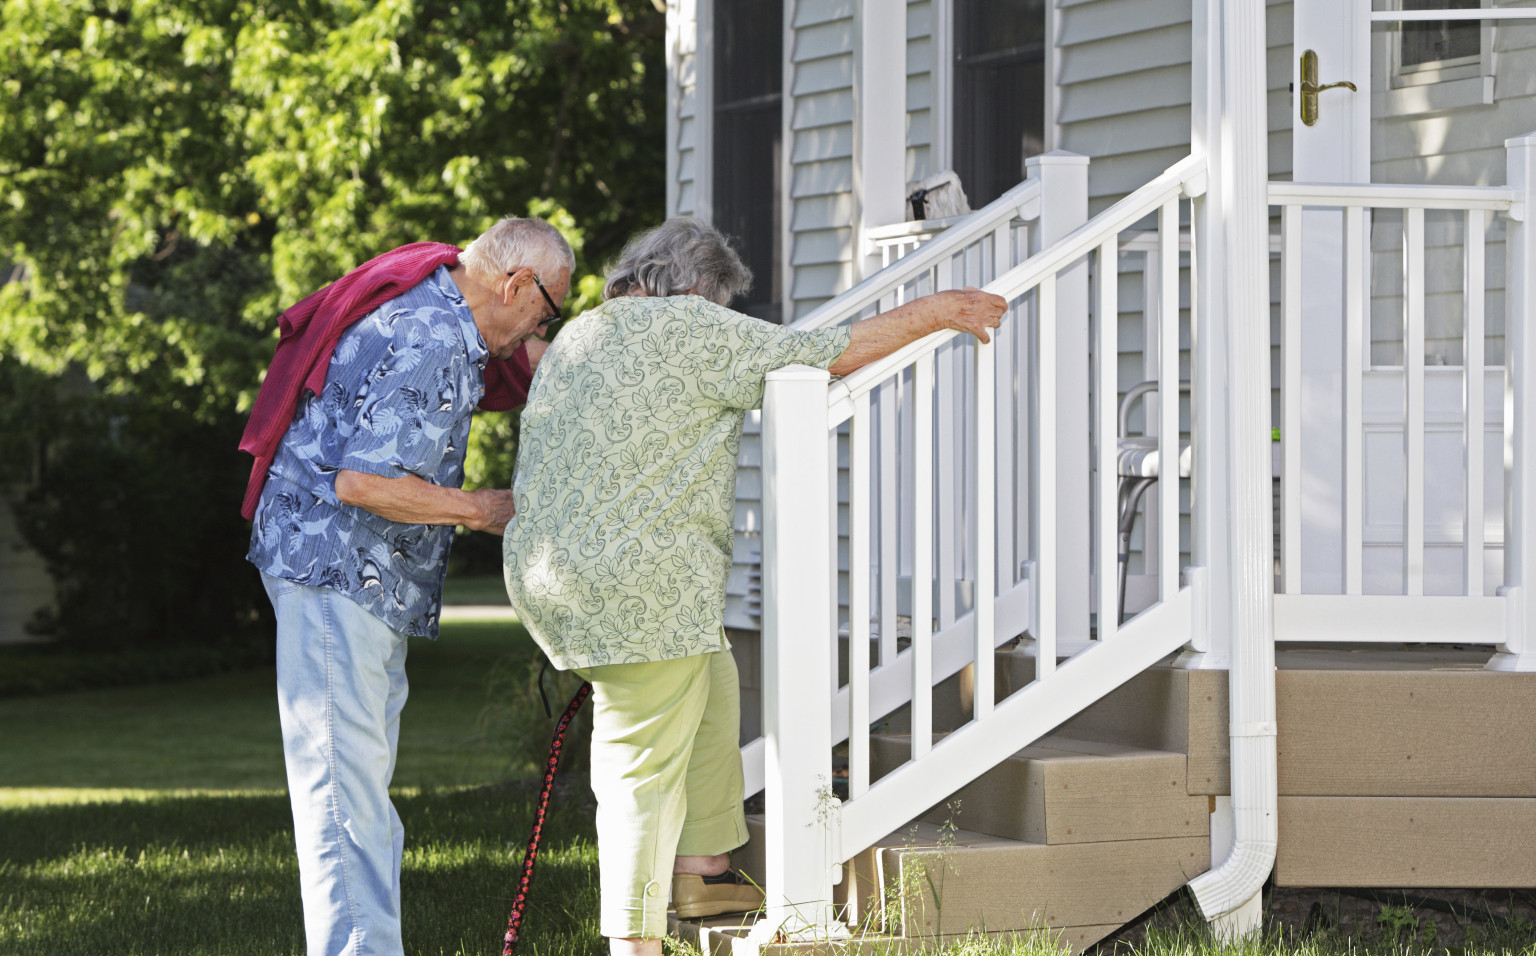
(682, 256)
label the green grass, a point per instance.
(150, 820)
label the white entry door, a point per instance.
(1361, 530)
(1334, 148)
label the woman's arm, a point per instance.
(410, 500)
(964, 310)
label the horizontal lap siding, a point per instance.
(922, 112)
(682, 162)
(821, 113)
(1464, 146)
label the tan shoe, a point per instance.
(696, 897)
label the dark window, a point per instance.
(748, 143)
(1430, 41)
(999, 93)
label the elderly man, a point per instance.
(354, 504)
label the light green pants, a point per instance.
(666, 771)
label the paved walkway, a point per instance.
(477, 612)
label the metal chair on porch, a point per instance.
(1138, 465)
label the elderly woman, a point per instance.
(618, 558)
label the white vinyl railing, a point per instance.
(888, 412)
(1370, 512)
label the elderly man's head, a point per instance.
(681, 256)
(523, 268)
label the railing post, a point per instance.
(1518, 652)
(802, 815)
(1064, 207)
(881, 92)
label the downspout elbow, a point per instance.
(1255, 827)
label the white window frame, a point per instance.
(1437, 71)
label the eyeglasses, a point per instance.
(555, 315)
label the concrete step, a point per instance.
(1063, 790)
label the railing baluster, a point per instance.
(1045, 490)
(1107, 318)
(1006, 567)
(1168, 406)
(1355, 293)
(922, 557)
(858, 596)
(985, 603)
(1290, 423)
(1413, 383)
(890, 563)
(946, 505)
(1473, 305)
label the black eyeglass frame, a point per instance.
(555, 315)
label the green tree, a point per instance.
(175, 172)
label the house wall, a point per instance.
(819, 139)
(687, 122)
(24, 585)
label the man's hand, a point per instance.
(496, 508)
(410, 500)
(968, 310)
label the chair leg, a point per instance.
(1131, 490)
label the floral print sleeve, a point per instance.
(734, 353)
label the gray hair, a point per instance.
(678, 257)
(517, 243)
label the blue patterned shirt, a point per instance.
(399, 393)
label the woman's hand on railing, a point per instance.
(963, 310)
(968, 310)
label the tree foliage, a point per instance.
(175, 172)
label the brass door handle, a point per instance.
(1310, 87)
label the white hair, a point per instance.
(515, 243)
(680, 256)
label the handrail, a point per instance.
(1394, 196)
(1022, 201)
(1186, 177)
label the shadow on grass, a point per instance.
(215, 874)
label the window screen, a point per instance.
(999, 100)
(748, 143)
(1431, 41)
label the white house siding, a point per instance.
(921, 111)
(24, 585)
(685, 125)
(819, 81)
(1445, 134)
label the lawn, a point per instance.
(152, 820)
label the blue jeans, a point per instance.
(340, 688)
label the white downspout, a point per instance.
(1229, 894)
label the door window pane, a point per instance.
(748, 143)
(999, 107)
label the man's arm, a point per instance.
(410, 500)
(964, 310)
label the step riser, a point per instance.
(1058, 796)
(1423, 734)
(1406, 842)
(1021, 886)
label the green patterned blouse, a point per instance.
(626, 475)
